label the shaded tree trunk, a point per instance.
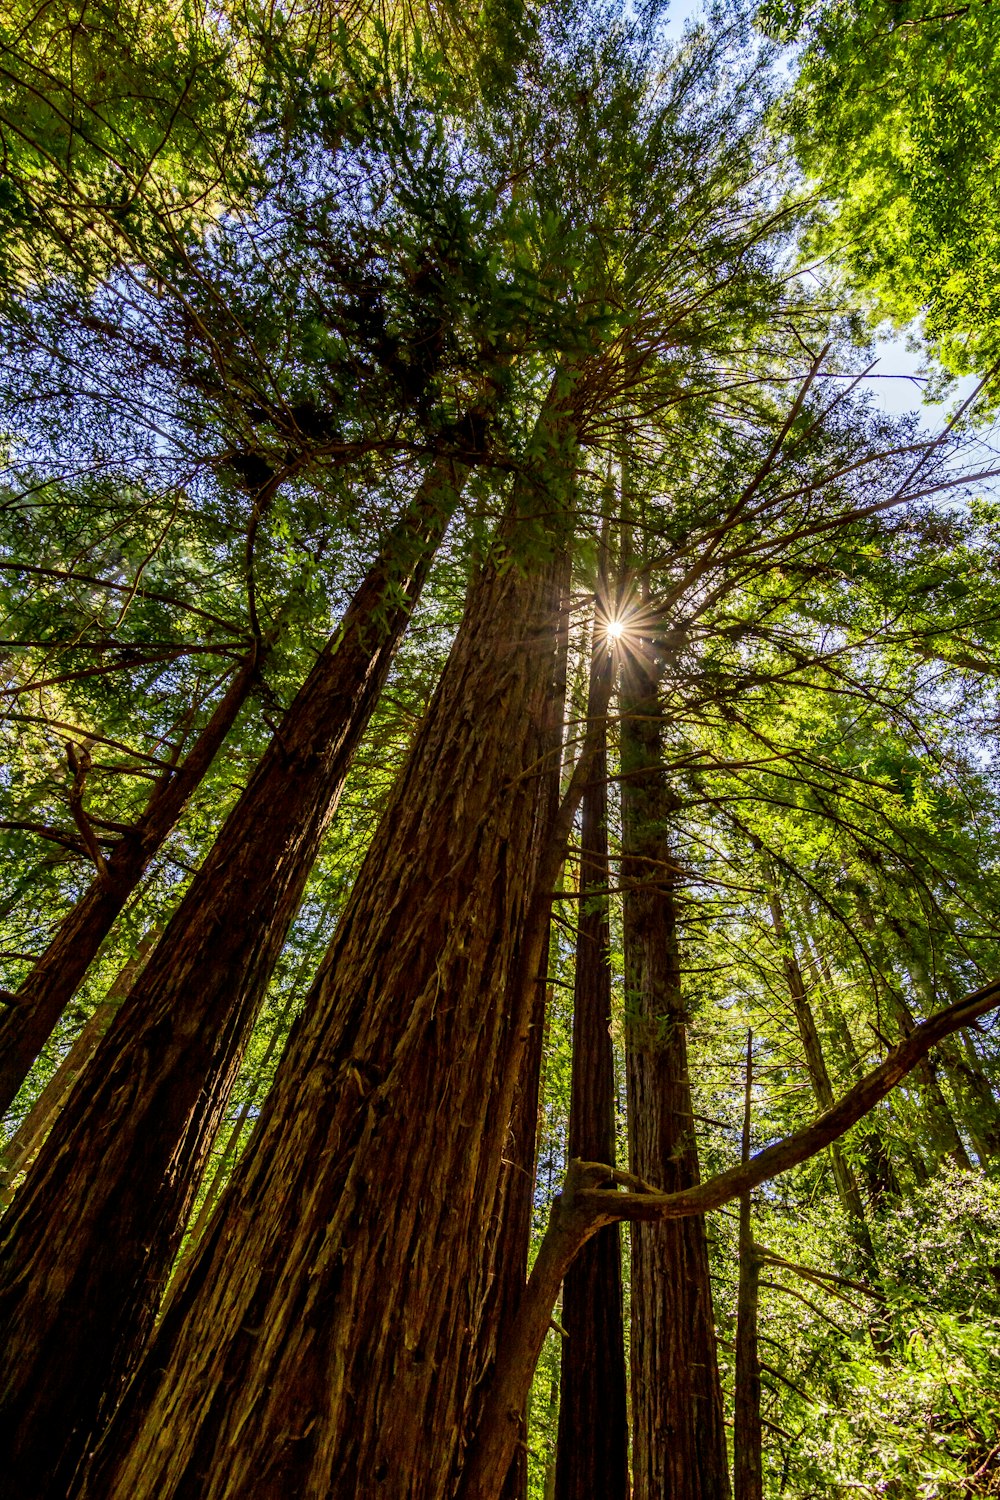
(26, 1026)
(23, 1145)
(678, 1435)
(90, 1238)
(748, 1479)
(513, 1211)
(333, 1311)
(592, 1451)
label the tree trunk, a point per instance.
(592, 1453)
(322, 1341)
(582, 1208)
(90, 1238)
(748, 1479)
(969, 1085)
(26, 1026)
(515, 1205)
(678, 1435)
(881, 1182)
(843, 1175)
(23, 1145)
(942, 1130)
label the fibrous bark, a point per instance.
(90, 1238)
(323, 1341)
(26, 1025)
(678, 1435)
(592, 1452)
(24, 1143)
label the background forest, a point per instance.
(489, 683)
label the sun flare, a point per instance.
(614, 630)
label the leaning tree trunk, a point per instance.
(943, 1133)
(321, 1342)
(592, 1453)
(678, 1435)
(819, 1077)
(881, 1182)
(23, 1145)
(28, 1022)
(90, 1238)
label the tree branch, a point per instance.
(582, 1208)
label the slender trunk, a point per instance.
(944, 1136)
(321, 1342)
(748, 1479)
(549, 1492)
(23, 1145)
(843, 1175)
(969, 1085)
(678, 1435)
(592, 1453)
(26, 1026)
(881, 1182)
(91, 1236)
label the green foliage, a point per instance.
(895, 116)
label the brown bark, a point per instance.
(678, 1434)
(24, 1143)
(583, 1208)
(90, 1238)
(748, 1479)
(26, 1026)
(321, 1342)
(592, 1450)
(515, 1202)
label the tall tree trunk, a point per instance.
(516, 1188)
(24, 1143)
(321, 1342)
(592, 1453)
(881, 1182)
(91, 1236)
(843, 1174)
(970, 1087)
(748, 1480)
(678, 1435)
(944, 1136)
(26, 1025)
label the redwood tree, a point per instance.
(592, 1454)
(678, 1435)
